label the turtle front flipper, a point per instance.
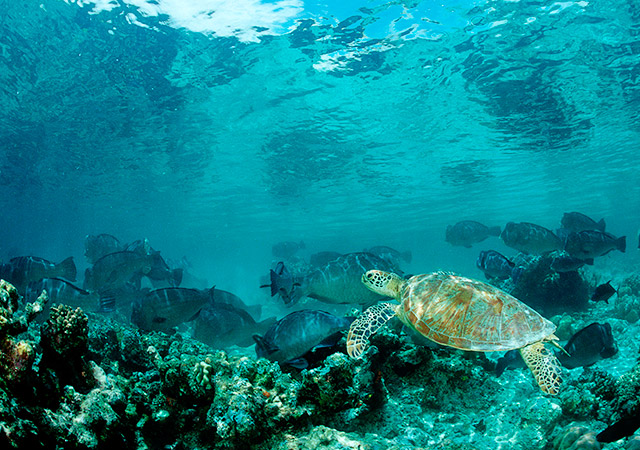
(544, 365)
(370, 321)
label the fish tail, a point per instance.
(494, 231)
(67, 269)
(621, 243)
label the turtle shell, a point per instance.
(468, 314)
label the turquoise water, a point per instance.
(216, 134)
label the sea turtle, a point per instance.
(462, 313)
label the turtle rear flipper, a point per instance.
(370, 321)
(544, 365)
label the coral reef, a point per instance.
(16, 356)
(92, 383)
(576, 437)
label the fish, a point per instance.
(592, 243)
(282, 283)
(163, 309)
(60, 291)
(286, 249)
(468, 232)
(603, 292)
(114, 270)
(339, 281)
(530, 238)
(221, 325)
(322, 258)
(161, 273)
(222, 296)
(290, 338)
(623, 428)
(510, 360)
(564, 262)
(588, 346)
(577, 222)
(495, 265)
(390, 254)
(22, 270)
(96, 246)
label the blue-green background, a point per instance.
(216, 129)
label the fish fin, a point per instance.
(262, 345)
(601, 225)
(621, 243)
(68, 268)
(176, 277)
(494, 231)
(194, 317)
(298, 363)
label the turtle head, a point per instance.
(384, 283)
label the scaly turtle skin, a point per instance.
(462, 313)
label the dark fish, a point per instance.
(622, 428)
(603, 292)
(588, 346)
(222, 296)
(530, 238)
(26, 269)
(223, 324)
(592, 243)
(340, 280)
(494, 264)
(282, 283)
(390, 254)
(510, 360)
(563, 234)
(291, 337)
(114, 270)
(567, 263)
(160, 272)
(163, 309)
(576, 222)
(321, 258)
(60, 291)
(286, 249)
(96, 246)
(468, 232)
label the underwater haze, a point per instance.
(216, 130)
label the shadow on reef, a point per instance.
(85, 382)
(545, 290)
